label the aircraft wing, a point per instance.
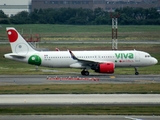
(86, 62)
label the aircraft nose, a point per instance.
(155, 61)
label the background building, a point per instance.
(12, 7)
(113, 4)
(37, 4)
(108, 5)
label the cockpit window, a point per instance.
(147, 56)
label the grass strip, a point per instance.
(84, 32)
(150, 88)
(80, 110)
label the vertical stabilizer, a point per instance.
(17, 42)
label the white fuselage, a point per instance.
(63, 59)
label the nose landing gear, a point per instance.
(136, 71)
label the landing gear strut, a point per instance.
(136, 71)
(84, 72)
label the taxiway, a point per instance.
(42, 79)
(77, 117)
(80, 99)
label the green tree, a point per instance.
(138, 16)
(20, 18)
(80, 16)
(3, 18)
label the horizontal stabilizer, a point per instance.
(18, 56)
(12, 55)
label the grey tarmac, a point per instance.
(115, 79)
(76, 117)
(63, 79)
(79, 99)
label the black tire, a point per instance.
(86, 73)
(136, 73)
(83, 72)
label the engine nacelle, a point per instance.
(105, 68)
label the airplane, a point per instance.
(99, 61)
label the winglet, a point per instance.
(72, 55)
(57, 49)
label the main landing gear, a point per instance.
(84, 72)
(136, 71)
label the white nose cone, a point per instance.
(154, 61)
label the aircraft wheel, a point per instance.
(136, 73)
(85, 73)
